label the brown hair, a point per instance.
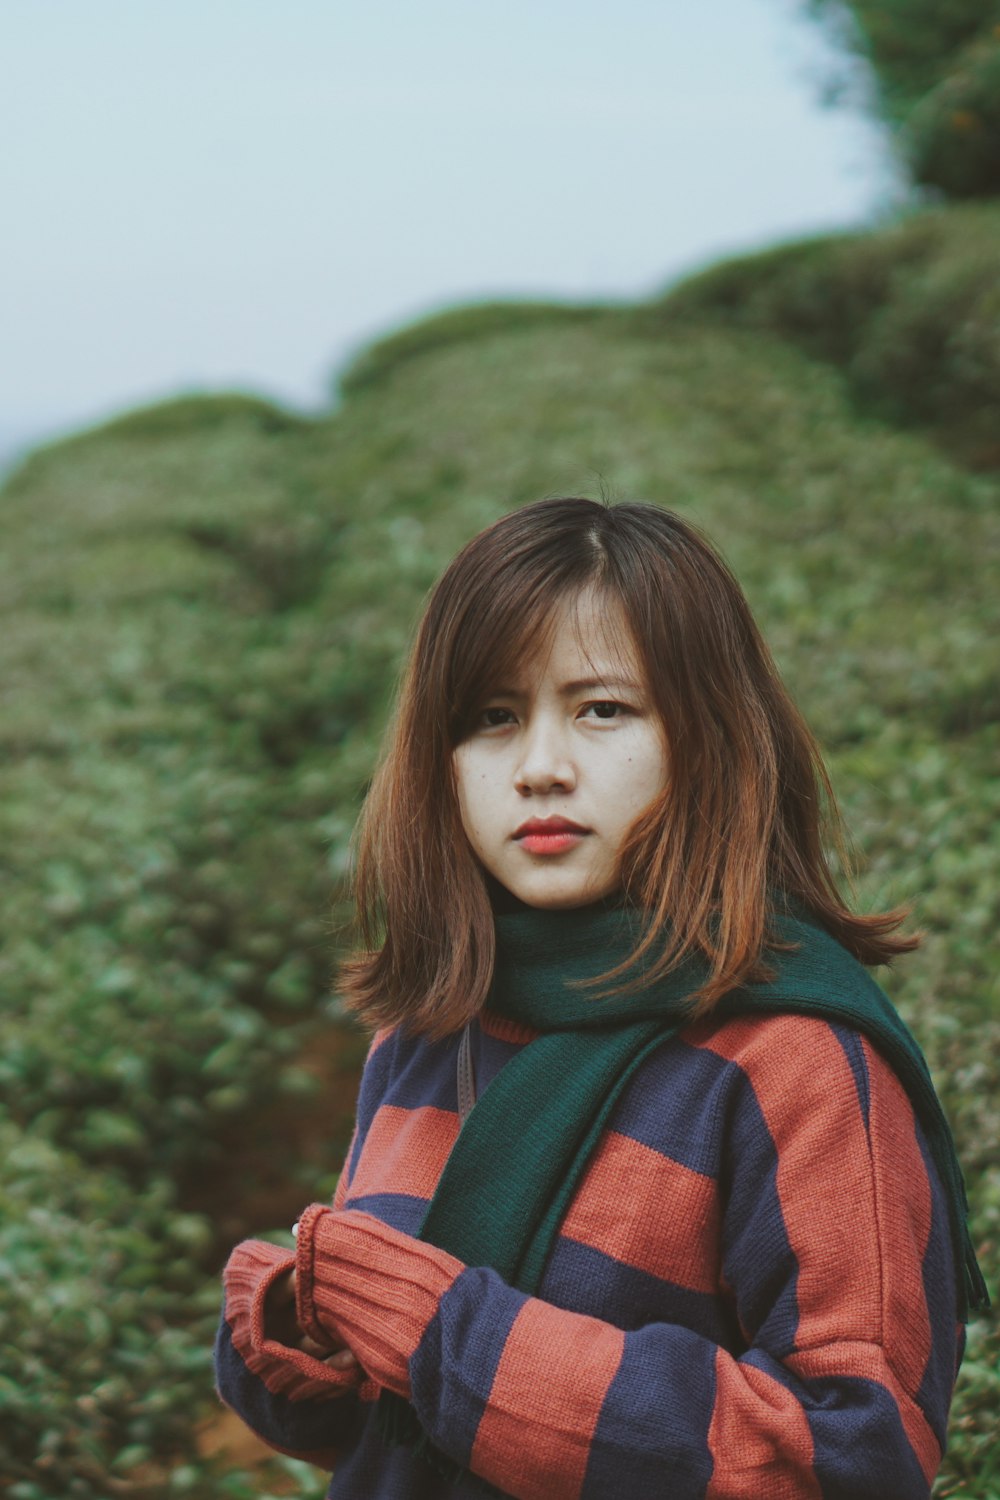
(749, 797)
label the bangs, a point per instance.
(504, 624)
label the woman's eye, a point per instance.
(606, 710)
(494, 718)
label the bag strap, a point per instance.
(466, 1076)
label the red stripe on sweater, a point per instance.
(504, 1030)
(759, 1438)
(406, 1148)
(903, 1205)
(340, 1191)
(597, 1216)
(824, 1171)
(538, 1450)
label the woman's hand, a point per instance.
(281, 1324)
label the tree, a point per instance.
(936, 67)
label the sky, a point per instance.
(238, 194)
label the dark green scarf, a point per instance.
(520, 1156)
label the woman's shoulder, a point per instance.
(752, 1040)
(803, 1067)
(399, 1049)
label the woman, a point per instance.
(650, 1191)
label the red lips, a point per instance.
(549, 826)
(549, 835)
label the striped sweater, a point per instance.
(752, 1296)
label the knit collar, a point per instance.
(547, 963)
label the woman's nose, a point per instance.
(545, 763)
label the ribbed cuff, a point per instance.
(251, 1271)
(376, 1288)
(305, 1307)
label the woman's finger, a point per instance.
(343, 1359)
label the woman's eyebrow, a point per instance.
(588, 684)
(578, 685)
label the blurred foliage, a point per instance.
(94, 1274)
(936, 66)
(204, 608)
(457, 325)
(910, 314)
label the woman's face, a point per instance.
(562, 760)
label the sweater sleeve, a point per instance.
(296, 1404)
(837, 1256)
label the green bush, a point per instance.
(99, 1372)
(455, 326)
(911, 314)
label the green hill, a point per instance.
(204, 609)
